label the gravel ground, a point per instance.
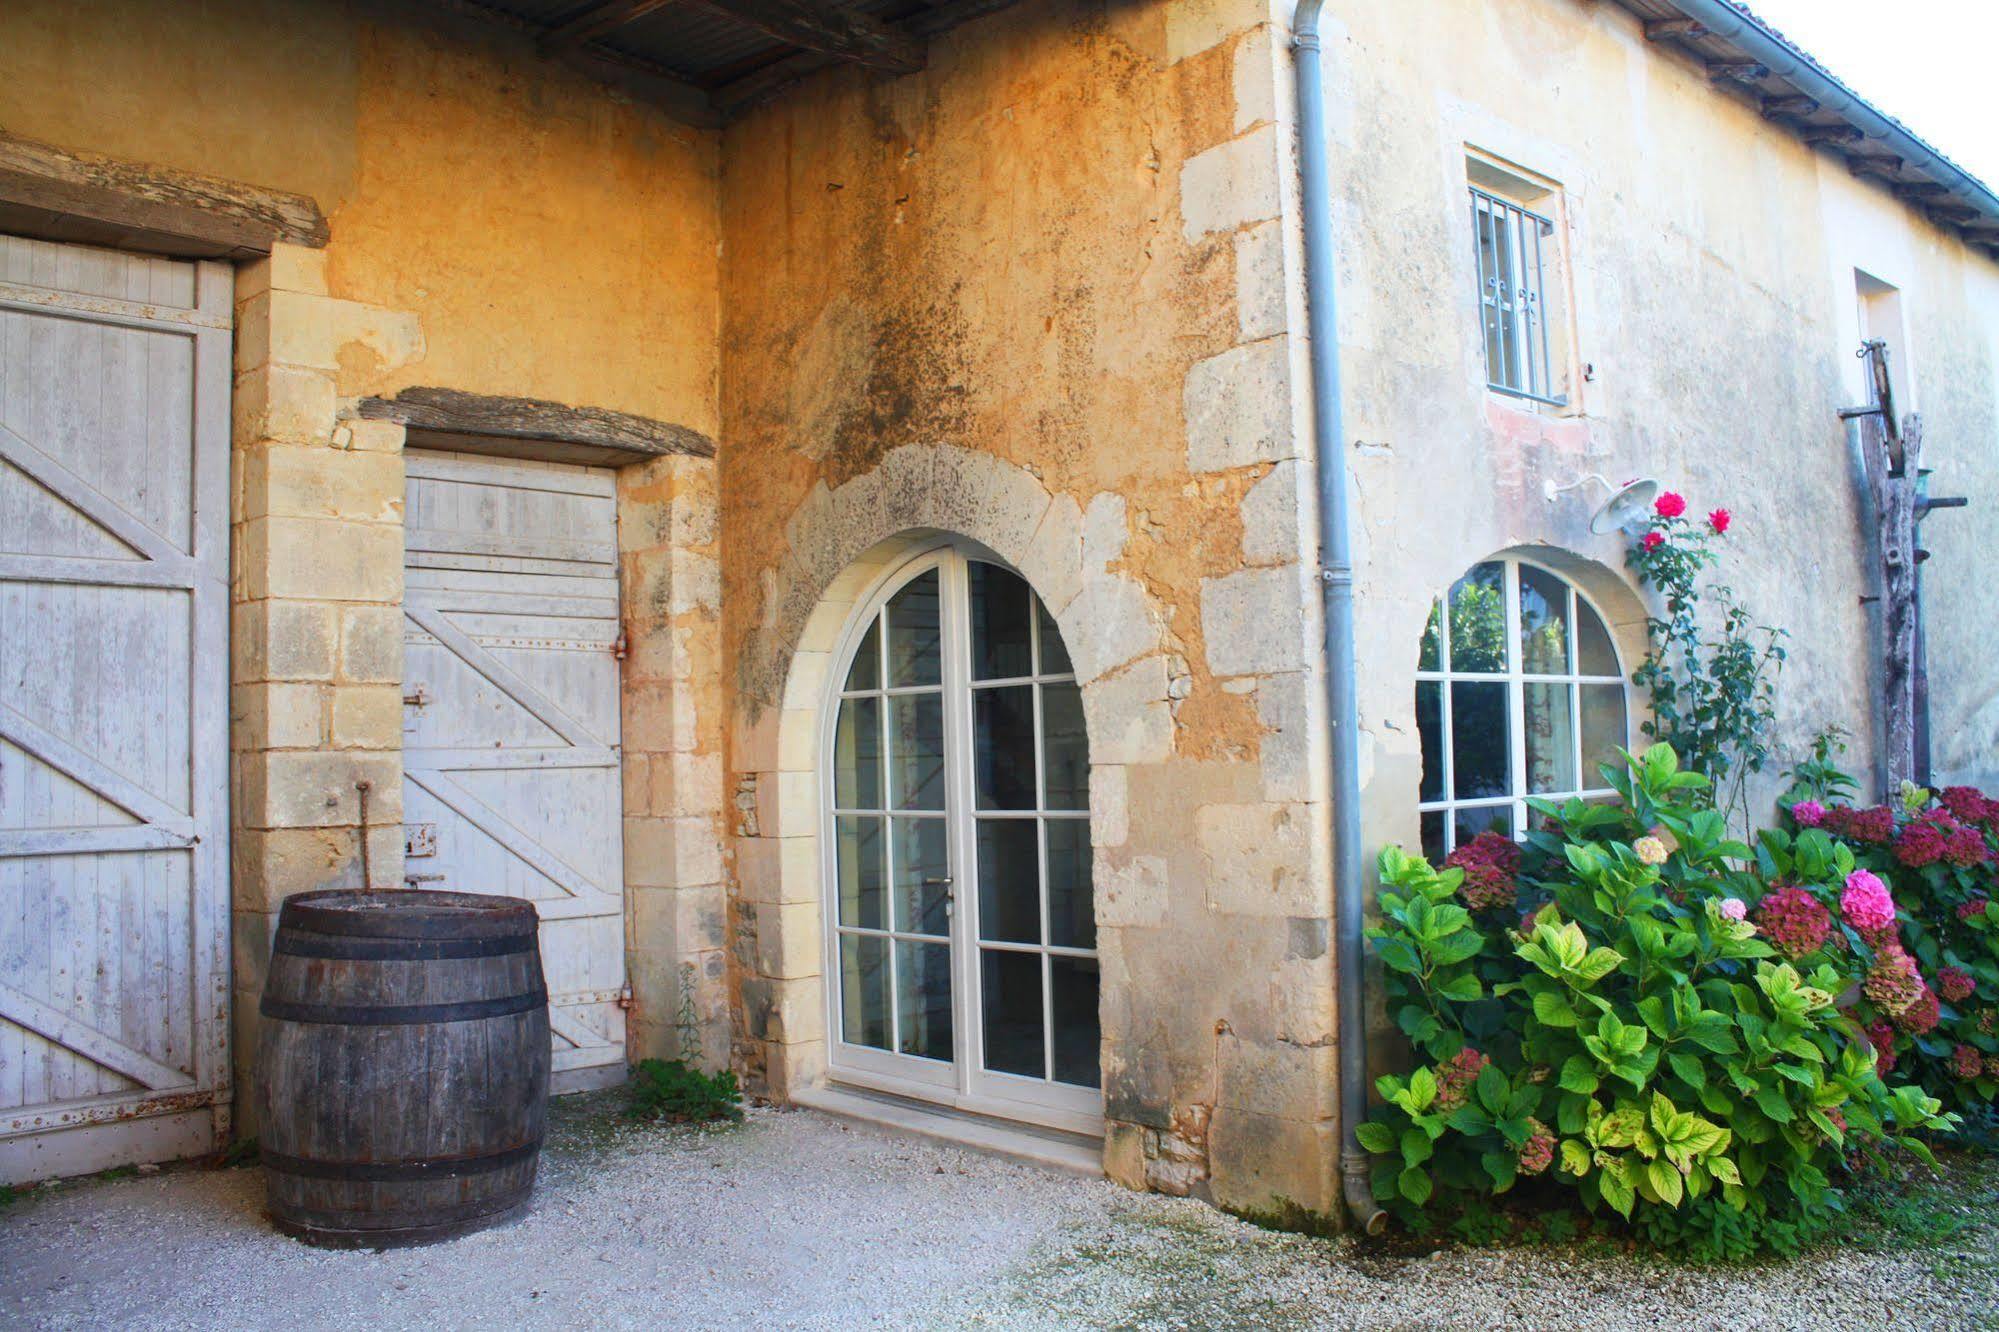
(797, 1221)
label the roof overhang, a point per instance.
(1748, 59)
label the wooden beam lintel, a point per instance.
(483, 417)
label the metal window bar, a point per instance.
(1512, 277)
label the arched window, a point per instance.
(961, 932)
(1519, 692)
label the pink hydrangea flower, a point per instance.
(1881, 1035)
(1808, 813)
(1455, 1077)
(1921, 843)
(1975, 907)
(1794, 921)
(1733, 908)
(1866, 904)
(1490, 861)
(1893, 982)
(1955, 984)
(1538, 1152)
(1921, 1017)
(1966, 1062)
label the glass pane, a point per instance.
(857, 743)
(1478, 620)
(916, 751)
(1009, 881)
(1481, 741)
(913, 652)
(1430, 729)
(1072, 917)
(1012, 1000)
(1544, 622)
(1594, 653)
(1073, 992)
(1433, 837)
(1001, 648)
(1066, 767)
(1431, 657)
(1003, 746)
(859, 842)
(1551, 738)
(864, 990)
(1603, 729)
(865, 673)
(923, 999)
(1054, 652)
(1490, 818)
(922, 866)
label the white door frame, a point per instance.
(965, 1083)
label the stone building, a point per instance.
(823, 500)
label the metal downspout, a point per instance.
(1336, 589)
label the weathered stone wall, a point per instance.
(1713, 300)
(1035, 296)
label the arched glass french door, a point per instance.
(961, 938)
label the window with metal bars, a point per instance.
(1517, 280)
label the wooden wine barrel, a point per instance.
(403, 1066)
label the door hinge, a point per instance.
(621, 646)
(625, 997)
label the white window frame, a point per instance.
(1516, 678)
(965, 1083)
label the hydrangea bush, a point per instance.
(1914, 923)
(1603, 1016)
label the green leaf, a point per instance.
(1618, 1193)
(1492, 1089)
(1376, 1138)
(1687, 1068)
(1503, 1167)
(1772, 1103)
(1552, 1010)
(1456, 948)
(1575, 1157)
(1414, 1185)
(1416, 1147)
(1398, 955)
(1578, 1075)
(1666, 1181)
(1462, 988)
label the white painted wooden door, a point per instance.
(510, 746)
(114, 565)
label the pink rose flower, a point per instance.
(1719, 520)
(1670, 505)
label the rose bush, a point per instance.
(1614, 1026)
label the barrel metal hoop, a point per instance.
(361, 948)
(399, 1172)
(391, 1015)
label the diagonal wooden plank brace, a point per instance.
(102, 780)
(81, 1038)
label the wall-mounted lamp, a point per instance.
(1626, 507)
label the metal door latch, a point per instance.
(419, 880)
(417, 698)
(420, 839)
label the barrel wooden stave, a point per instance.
(384, 1133)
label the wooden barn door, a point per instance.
(510, 751)
(114, 566)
